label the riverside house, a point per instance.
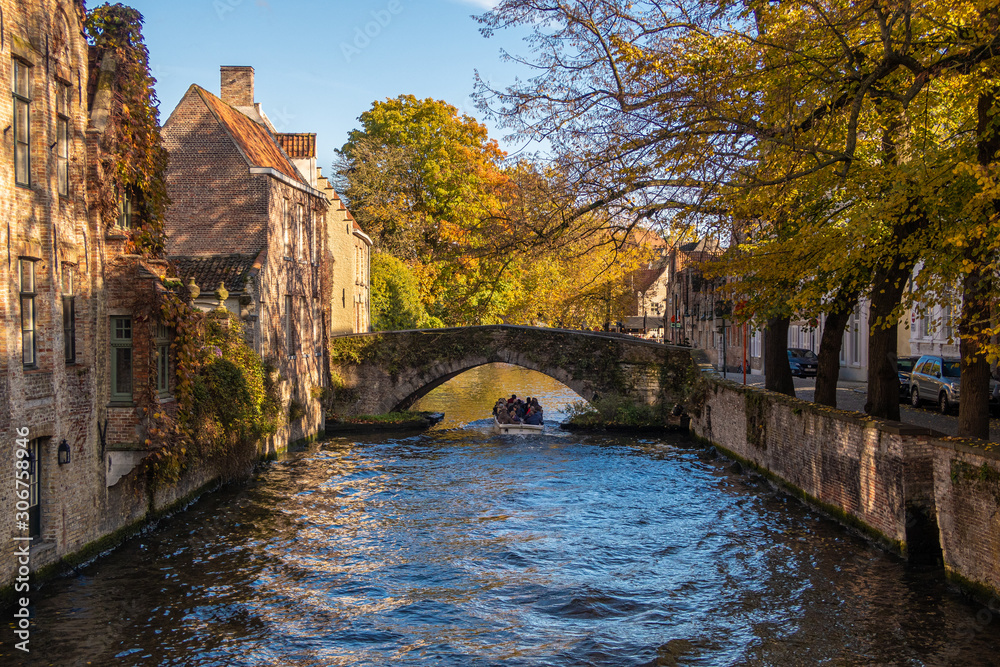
(247, 214)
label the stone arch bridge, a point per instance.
(380, 372)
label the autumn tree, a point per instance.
(686, 113)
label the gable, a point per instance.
(257, 144)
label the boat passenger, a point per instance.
(503, 417)
(534, 418)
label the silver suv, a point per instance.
(938, 379)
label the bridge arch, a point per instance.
(380, 372)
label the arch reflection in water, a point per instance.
(470, 397)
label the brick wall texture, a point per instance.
(54, 399)
(220, 205)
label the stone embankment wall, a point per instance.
(907, 487)
(967, 494)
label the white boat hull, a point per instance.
(516, 429)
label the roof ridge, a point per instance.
(280, 161)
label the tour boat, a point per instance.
(516, 429)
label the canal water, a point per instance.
(460, 547)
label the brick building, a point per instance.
(76, 347)
(246, 212)
(349, 269)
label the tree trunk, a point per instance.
(974, 404)
(883, 376)
(973, 327)
(828, 368)
(777, 372)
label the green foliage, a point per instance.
(388, 418)
(296, 410)
(228, 397)
(615, 410)
(437, 183)
(395, 295)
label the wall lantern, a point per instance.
(63, 452)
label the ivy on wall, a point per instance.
(228, 398)
(131, 159)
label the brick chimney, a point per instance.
(237, 85)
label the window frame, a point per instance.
(69, 313)
(29, 325)
(125, 215)
(35, 487)
(300, 231)
(161, 340)
(62, 137)
(285, 228)
(117, 343)
(22, 99)
(290, 325)
(314, 250)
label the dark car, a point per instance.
(802, 361)
(939, 379)
(904, 366)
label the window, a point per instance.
(855, 339)
(162, 342)
(62, 137)
(948, 322)
(34, 487)
(125, 211)
(300, 323)
(69, 313)
(315, 321)
(300, 230)
(313, 249)
(22, 123)
(285, 231)
(289, 326)
(121, 359)
(29, 346)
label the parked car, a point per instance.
(802, 361)
(904, 366)
(938, 379)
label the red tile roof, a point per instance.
(298, 145)
(257, 144)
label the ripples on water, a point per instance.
(459, 547)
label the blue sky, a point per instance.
(316, 69)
